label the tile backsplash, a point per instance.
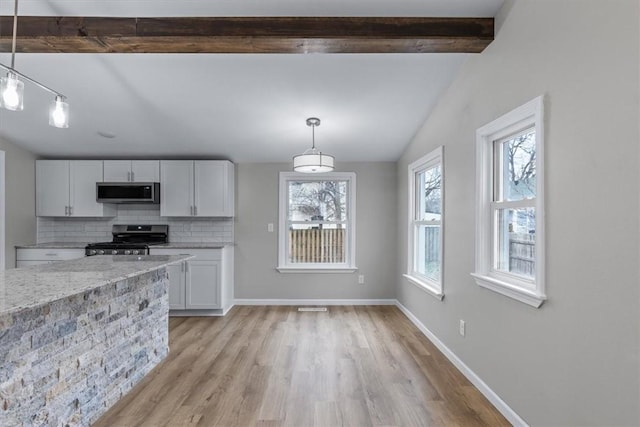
(215, 230)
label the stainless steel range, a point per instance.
(130, 240)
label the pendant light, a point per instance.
(312, 160)
(12, 88)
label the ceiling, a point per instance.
(242, 107)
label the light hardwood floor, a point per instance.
(275, 366)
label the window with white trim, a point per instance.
(317, 222)
(425, 233)
(510, 205)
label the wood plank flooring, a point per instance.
(274, 366)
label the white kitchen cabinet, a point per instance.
(68, 188)
(203, 188)
(26, 257)
(201, 285)
(176, 188)
(131, 171)
(52, 187)
(177, 291)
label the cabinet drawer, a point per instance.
(200, 254)
(48, 254)
(21, 264)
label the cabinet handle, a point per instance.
(66, 210)
(70, 210)
(128, 176)
(51, 254)
(133, 176)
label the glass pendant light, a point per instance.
(12, 91)
(313, 160)
(12, 88)
(59, 113)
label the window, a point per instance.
(425, 235)
(509, 205)
(317, 222)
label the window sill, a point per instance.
(425, 286)
(525, 296)
(316, 269)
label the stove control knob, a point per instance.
(135, 252)
(114, 252)
(92, 252)
(100, 252)
(127, 252)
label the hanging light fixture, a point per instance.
(12, 88)
(312, 160)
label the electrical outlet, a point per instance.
(270, 227)
(463, 327)
(361, 279)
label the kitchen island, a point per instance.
(77, 335)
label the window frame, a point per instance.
(433, 159)
(520, 288)
(284, 266)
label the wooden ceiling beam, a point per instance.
(45, 34)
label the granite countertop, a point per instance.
(192, 245)
(170, 245)
(31, 287)
(54, 245)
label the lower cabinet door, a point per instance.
(176, 286)
(203, 284)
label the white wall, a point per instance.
(20, 184)
(575, 360)
(256, 252)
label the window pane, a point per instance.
(518, 167)
(516, 245)
(317, 243)
(427, 250)
(317, 200)
(429, 197)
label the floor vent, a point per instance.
(312, 308)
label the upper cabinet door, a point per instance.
(145, 170)
(213, 184)
(83, 175)
(117, 170)
(52, 187)
(176, 188)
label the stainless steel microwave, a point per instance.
(128, 192)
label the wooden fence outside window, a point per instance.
(317, 245)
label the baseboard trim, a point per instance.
(495, 400)
(315, 302)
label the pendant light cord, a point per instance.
(15, 35)
(313, 136)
